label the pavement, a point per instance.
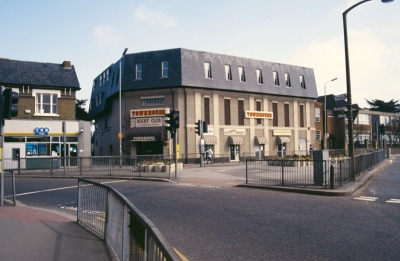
(29, 233)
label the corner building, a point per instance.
(253, 108)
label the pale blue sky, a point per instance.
(309, 33)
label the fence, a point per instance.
(310, 172)
(8, 180)
(156, 166)
(129, 234)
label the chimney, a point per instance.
(67, 64)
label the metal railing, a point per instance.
(157, 166)
(322, 173)
(9, 187)
(127, 231)
(297, 172)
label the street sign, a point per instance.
(341, 116)
(341, 97)
(340, 109)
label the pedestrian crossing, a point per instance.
(374, 199)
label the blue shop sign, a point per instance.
(43, 131)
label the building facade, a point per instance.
(367, 125)
(47, 94)
(254, 108)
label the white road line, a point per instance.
(46, 190)
(367, 198)
(55, 189)
(393, 200)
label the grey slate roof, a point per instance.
(186, 69)
(13, 72)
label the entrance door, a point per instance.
(72, 151)
(234, 152)
(282, 150)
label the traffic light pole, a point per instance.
(1, 147)
(175, 156)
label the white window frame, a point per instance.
(207, 70)
(164, 69)
(260, 79)
(302, 81)
(228, 72)
(276, 78)
(39, 111)
(317, 114)
(138, 71)
(242, 75)
(318, 135)
(287, 80)
(363, 119)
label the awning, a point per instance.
(144, 134)
(282, 139)
(210, 140)
(235, 140)
(261, 140)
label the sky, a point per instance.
(308, 33)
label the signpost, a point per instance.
(341, 97)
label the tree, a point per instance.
(379, 105)
(80, 112)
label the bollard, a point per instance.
(332, 177)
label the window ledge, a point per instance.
(47, 115)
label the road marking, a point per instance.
(393, 200)
(55, 189)
(366, 198)
(46, 190)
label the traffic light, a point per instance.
(199, 127)
(10, 104)
(175, 119)
(169, 120)
(205, 127)
(382, 129)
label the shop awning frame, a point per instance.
(235, 140)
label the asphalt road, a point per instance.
(232, 223)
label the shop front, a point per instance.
(37, 141)
(146, 132)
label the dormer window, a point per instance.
(259, 76)
(302, 82)
(242, 76)
(287, 80)
(138, 72)
(276, 78)
(207, 70)
(228, 73)
(164, 69)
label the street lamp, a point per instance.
(349, 106)
(120, 114)
(325, 136)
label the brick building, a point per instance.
(47, 94)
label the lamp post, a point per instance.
(120, 109)
(349, 101)
(325, 136)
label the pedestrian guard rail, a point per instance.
(127, 231)
(8, 187)
(157, 166)
(320, 173)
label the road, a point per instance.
(233, 223)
